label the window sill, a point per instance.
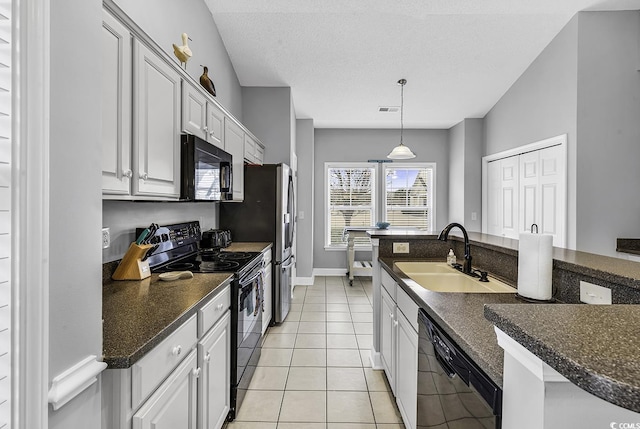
(344, 248)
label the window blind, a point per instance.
(409, 196)
(351, 201)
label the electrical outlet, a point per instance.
(474, 215)
(593, 294)
(400, 247)
(106, 238)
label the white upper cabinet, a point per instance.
(156, 146)
(200, 116)
(116, 107)
(253, 151)
(234, 144)
(147, 102)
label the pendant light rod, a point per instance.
(401, 151)
(402, 83)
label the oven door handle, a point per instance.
(246, 282)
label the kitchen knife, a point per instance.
(142, 236)
(153, 228)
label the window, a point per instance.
(408, 195)
(350, 200)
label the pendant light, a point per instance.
(401, 151)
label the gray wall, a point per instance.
(165, 21)
(123, 217)
(305, 151)
(542, 104)
(586, 84)
(608, 177)
(267, 113)
(465, 173)
(75, 292)
(360, 145)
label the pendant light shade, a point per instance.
(401, 151)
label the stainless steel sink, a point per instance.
(439, 277)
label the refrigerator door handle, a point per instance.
(287, 218)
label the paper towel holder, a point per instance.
(536, 226)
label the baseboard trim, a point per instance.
(376, 360)
(304, 281)
(329, 272)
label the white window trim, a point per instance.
(327, 228)
(431, 191)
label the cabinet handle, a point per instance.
(395, 323)
(391, 316)
(196, 372)
(207, 357)
(212, 134)
(205, 129)
(220, 307)
(144, 176)
(176, 350)
(127, 173)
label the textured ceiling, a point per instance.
(342, 58)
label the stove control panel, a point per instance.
(173, 241)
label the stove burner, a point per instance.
(218, 265)
(180, 266)
(236, 256)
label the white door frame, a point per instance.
(560, 140)
(30, 217)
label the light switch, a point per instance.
(474, 215)
(300, 215)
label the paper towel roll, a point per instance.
(535, 265)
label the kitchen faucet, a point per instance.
(444, 235)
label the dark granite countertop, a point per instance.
(137, 315)
(248, 247)
(461, 316)
(594, 346)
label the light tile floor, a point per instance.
(314, 371)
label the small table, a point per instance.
(356, 268)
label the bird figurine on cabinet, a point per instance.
(206, 82)
(183, 53)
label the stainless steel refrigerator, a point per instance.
(267, 214)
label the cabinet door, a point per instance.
(407, 371)
(259, 154)
(215, 125)
(156, 147)
(173, 405)
(214, 389)
(194, 111)
(116, 107)
(388, 338)
(249, 149)
(234, 144)
(268, 297)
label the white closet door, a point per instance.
(503, 191)
(553, 194)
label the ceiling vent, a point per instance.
(388, 109)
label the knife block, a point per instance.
(132, 267)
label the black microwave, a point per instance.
(205, 171)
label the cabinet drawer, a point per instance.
(388, 283)
(408, 307)
(211, 312)
(156, 365)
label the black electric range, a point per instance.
(176, 248)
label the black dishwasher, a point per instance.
(453, 392)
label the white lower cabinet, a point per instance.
(214, 358)
(183, 382)
(388, 338)
(173, 405)
(268, 290)
(399, 347)
(407, 371)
